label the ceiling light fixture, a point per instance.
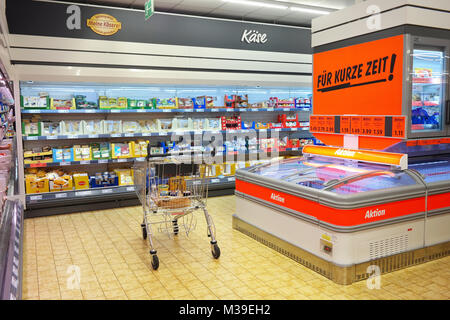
(309, 10)
(257, 4)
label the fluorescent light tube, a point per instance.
(309, 10)
(257, 4)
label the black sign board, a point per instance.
(55, 19)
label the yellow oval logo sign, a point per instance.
(104, 24)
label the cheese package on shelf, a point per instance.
(213, 124)
(36, 181)
(112, 126)
(105, 179)
(62, 104)
(31, 127)
(130, 126)
(81, 153)
(38, 155)
(62, 154)
(100, 151)
(81, 181)
(166, 103)
(125, 176)
(166, 125)
(182, 124)
(72, 127)
(140, 148)
(91, 127)
(148, 126)
(199, 124)
(36, 102)
(122, 150)
(59, 181)
(51, 128)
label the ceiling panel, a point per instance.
(219, 8)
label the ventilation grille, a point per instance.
(323, 270)
(388, 247)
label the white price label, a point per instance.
(214, 110)
(230, 110)
(93, 136)
(138, 110)
(162, 133)
(278, 130)
(122, 160)
(72, 137)
(61, 195)
(116, 135)
(215, 180)
(140, 159)
(215, 132)
(63, 111)
(231, 179)
(65, 163)
(294, 129)
(270, 109)
(83, 193)
(130, 188)
(85, 162)
(200, 110)
(102, 161)
(52, 137)
(115, 111)
(107, 191)
(167, 110)
(244, 131)
(286, 109)
(34, 198)
(89, 111)
(31, 138)
(242, 109)
(129, 135)
(254, 109)
(294, 149)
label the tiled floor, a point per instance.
(107, 251)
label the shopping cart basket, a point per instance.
(171, 192)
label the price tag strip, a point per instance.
(374, 126)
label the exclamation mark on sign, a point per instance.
(391, 76)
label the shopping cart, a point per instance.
(171, 191)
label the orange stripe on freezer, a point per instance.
(338, 217)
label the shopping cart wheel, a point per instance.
(144, 231)
(215, 250)
(175, 226)
(155, 262)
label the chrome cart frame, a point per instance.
(170, 192)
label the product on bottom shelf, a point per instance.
(100, 151)
(36, 181)
(81, 181)
(125, 176)
(105, 179)
(59, 181)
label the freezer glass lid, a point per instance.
(335, 175)
(433, 171)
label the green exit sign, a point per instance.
(149, 9)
